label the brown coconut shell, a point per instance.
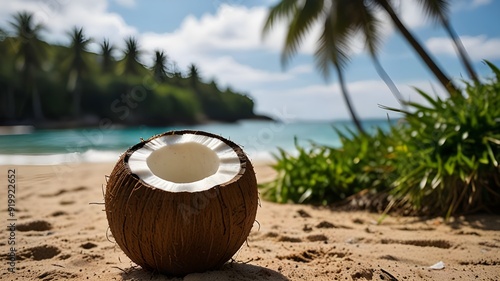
(184, 232)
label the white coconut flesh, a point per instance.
(185, 163)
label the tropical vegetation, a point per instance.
(49, 85)
(441, 158)
(450, 152)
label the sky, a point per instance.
(224, 39)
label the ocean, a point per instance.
(259, 139)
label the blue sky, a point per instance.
(223, 37)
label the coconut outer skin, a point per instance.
(180, 233)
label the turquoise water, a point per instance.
(259, 139)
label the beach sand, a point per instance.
(62, 234)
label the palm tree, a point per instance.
(160, 66)
(3, 35)
(29, 52)
(333, 47)
(194, 76)
(193, 72)
(108, 60)
(412, 40)
(6, 90)
(348, 17)
(131, 57)
(438, 10)
(78, 66)
(356, 17)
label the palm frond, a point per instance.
(283, 10)
(369, 26)
(493, 68)
(131, 58)
(160, 65)
(302, 21)
(330, 49)
(193, 72)
(106, 47)
(78, 38)
(435, 9)
(27, 42)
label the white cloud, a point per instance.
(126, 3)
(479, 47)
(302, 69)
(211, 40)
(60, 16)
(412, 15)
(464, 5)
(228, 71)
(324, 101)
(231, 28)
(477, 3)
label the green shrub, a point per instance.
(322, 174)
(453, 149)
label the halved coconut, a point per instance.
(181, 202)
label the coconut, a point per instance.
(181, 202)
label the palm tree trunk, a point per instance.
(37, 104)
(388, 81)
(11, 103)
(459, 47)
(436, 70)
(348, 102)
(77, 98)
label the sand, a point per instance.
(61, 234)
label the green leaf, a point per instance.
(449, 165)
(436, 102)
(494, 69)
(305, 195)
(492, 156)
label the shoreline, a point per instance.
(92, 156)
(95, 122)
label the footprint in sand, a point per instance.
(284, 238)
(317, 237)
(327, 224)
(364, 274)
(389, 258)
(489, 244)
(88, 245)
(305, 257)
(56, 275)
(481, 262)
(277, 237)
(270, 235)
(59, 213)
(63, 191)
(303, 214)
(40, 252)
(67, 202)
(443, 244)
(39, 225)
